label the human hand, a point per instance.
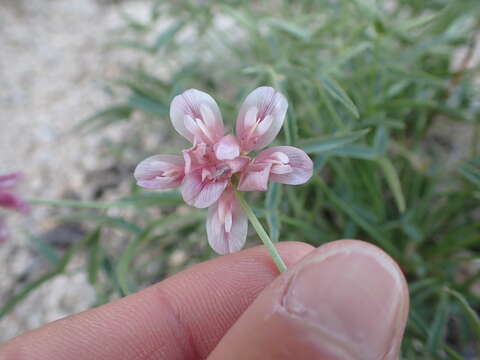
(345, 300)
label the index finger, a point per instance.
(182, 317)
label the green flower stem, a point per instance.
(262, 233)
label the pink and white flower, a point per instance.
(217, 163)
(9, 200)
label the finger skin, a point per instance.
(182, 317)
(346, 300)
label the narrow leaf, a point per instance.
(167, 36)
(355, 152)
(393, 181)
(146, 104)
(437, 330)
(166, 224)
(290, 28)
(318, 145)
(335, 91)
(359, 220)
(471, 171)
(472, 316)
(381, 139)
(105, 117)
(94, 255)
(143, 199)
(272, 201)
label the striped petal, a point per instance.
(201, 191)
(12, 201)
(289, 165)
(227, 224)
(8, 181)
(227, 148)
(196, 116)
(260, 118)
(255, 177)
(160, 172)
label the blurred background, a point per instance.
(384, 96)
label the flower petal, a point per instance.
(14, 202)
(198, 155)
(196, 116)
(199, 192)
(226, 229)
(160, 172)
(260, 118)
(255, 177)
(300, 163)
(9, 180)
(237, 164)
(227, 148)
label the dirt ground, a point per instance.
(52, 64)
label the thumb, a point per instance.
(345, 300)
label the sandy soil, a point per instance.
(52, 64)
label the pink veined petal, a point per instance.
(227, 148)
(300, 163)
(196, 116)
(238, 164)
(281, 169)
(255, 177)
(264, 125)
(250, 117)
(160, 172)
(9, 180)
(199, 155)
(260, 118)
(227, 225)
(202, 193)
(12, 201)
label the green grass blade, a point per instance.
(166, 224)
(471, 171)
(335, 91)
(147, 199)
(437, 330)
(167, 36)
(393, 182)
(59, 268)
(95, 255)
(355, 152)
(320, 145)
(272, 202)
(113, 221)
(11, 303)
(104, 118)
(472, 316)
(360, 221)
(290, 28)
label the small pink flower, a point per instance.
(10, 200)
(210, 169)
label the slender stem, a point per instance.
(261, 233)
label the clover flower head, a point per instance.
(216, 164)
(9, 200)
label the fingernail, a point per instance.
(351, 295)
